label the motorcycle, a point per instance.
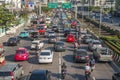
(87, 74)
(92, 67)
(63, 73)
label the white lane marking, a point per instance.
(60, 60)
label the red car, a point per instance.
(73, 24)
(41, 30)
(70, 38)
(21, 54)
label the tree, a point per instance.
(45, 9)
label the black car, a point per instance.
(81, 55)
(34, 35)
(59, 46)
(116, 76)
(66, 33)
(55, 28)
(52, 39)
(13, 41)
(40, 75)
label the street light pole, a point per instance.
(76, 10)
(88, 8)
(82, 11)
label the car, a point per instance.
(13, 41)
(116, 76)
(41, 30)
(70, 38)
(103, 54)
(21, 54)
(94, 44)
(39, 74)
(87, 38)
(59, 46)
(81, 55)
(73, 24)
(11, 71)
(67, 32)
(66, 29)
(45, 56)
(34, 34)
(55, 28)
(48, 20)
(52, 39)
(37, 45)
(83, 33)
(50, 33)
(24, 34)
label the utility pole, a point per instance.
(76, 9)
(82, 11)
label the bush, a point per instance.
(112, 47)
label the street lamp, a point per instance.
(82, 11)
(101, 8)
(76, 9)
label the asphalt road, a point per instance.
(103, 71)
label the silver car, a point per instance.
(11, 71)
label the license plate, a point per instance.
(82, 57)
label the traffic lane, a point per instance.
(100, 70)
(75, 71)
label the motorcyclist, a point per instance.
(87, 71)
(92, 63)
(63, 70)
(75, 44)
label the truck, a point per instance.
(103, 54)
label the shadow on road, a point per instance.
(68, 58)
(10, 57)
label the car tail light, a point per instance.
(87, 57)
(77, 57)
(11, 74)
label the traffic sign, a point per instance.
(53, 5)
(66, 5)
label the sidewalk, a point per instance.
(6, 37)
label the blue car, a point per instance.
(24, 34)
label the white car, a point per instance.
(48, 20)
(94, 44)
(37, 44)
(45, 56)
(50, 33)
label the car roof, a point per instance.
(21, 48)
(37, 71)
(8, 67)
(95, 40)
(45, 50)
(35, 41)
(82, 50)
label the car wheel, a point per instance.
(113, 78)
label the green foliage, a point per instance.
(45, 9)
(94, 8)
(112, 47)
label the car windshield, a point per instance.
(4, 73)
(59, 43)
(22, 32)
(96, 42)
(40, 28)
(11, 39)
(83, 53)
(52, 37)
(34, 22)
(20, 51)
(51, 32)
(42, 22)
(37, 76)
(104, 51)
(44, 53)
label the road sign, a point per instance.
(66, 5)
(53, 5)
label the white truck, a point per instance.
(103, 54)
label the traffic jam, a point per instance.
(53, 48)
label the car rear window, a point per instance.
(59, 43)
(4, 73)
(20, 51)
(81, 53)
(44, 53)
(37, 76)
(96, 42)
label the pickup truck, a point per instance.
(103, 54)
